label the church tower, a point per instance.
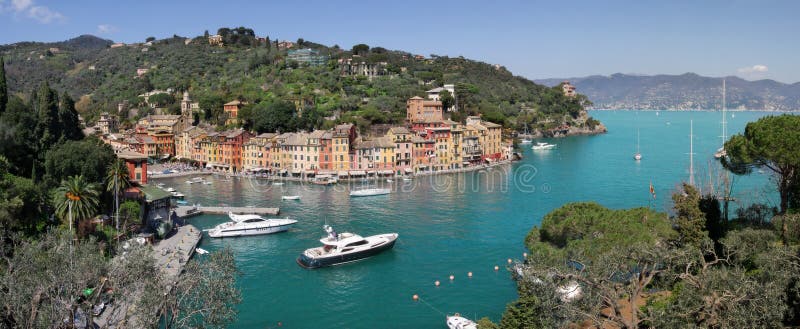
(186, 105)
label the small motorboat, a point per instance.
(290, 197)
(457, 321)
(178, 195)
(182, 202)
(201, 251)
(324, 180)
(277, 183)
(370, 192)
(189, 182)
(197, 179)
(169, 189)
(406, 179)
(543, 146)
(242, 225)
(389, 181)
(207, 183)
(344, 248)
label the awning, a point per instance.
(342, 174)
(358, 173)
(323, 176)
(326, 172)
(465, 162)
(296, 171)
(387, 172)
(310, 172)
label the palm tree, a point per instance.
(76, 198)
(117, 180)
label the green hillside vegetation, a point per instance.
(254, 71)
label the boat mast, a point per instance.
(724, 123)
(691, 152)
(637, 141)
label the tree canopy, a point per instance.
(773, 143)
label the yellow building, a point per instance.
(489, 137)
(256, 152)
(343, 136)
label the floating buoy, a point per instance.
(525, 255)
(496, 267)
(469, 274)
(415, 297)
(437, 283)
(452, 277)
(509, 260)
(280, 324)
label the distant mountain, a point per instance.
(684, 92)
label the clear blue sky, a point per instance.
(535, 39)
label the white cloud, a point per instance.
(20, 5)
(42, 14)
(755, 69)
(106, 29)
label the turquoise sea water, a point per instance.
(452, 224)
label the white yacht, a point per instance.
(241, 225)
(543, 146)
(345, 248)
(457, 321)
(370, 192)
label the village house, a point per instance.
(421, 110)
(215, 40)
(232, 111)
(107, 123)
(256, 152)
(403, 151)
(434, 95)
(568, 89)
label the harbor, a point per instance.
(447, 224)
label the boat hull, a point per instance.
(236, 232)
(318, 262)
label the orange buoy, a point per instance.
(509, 260)
(452, 277)
(415, 297)
(496, 267)
(469, 274)
(437, 283)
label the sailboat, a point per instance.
(526, 139)
(691, 152)
(638, 155)
(721, 151)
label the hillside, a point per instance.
(685, 91)
(99, 76)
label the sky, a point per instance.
(535, 39)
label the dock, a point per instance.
(171, 256)
(189, 211)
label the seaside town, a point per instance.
(478, 166)
(428, 143)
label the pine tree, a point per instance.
(68, 119)
(3, 87)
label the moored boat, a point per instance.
(344, 248)
(370, 192)
(243, 225)
(543, 146)
(457, 321)
(290, 197)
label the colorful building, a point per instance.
(420, 109)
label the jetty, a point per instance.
(189, 211)
(171, 256)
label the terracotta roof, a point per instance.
(130, 155)
(490, 124)
(416, 97)
(399, 130)
(233, 102)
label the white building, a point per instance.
(433, 94)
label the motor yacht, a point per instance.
(457, 321)
(543, 146)
(241, 225)
(344, 248)
(370, 192)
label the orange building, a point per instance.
(231, 148)
(232, 110)
(137, 165)
(418, 109)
